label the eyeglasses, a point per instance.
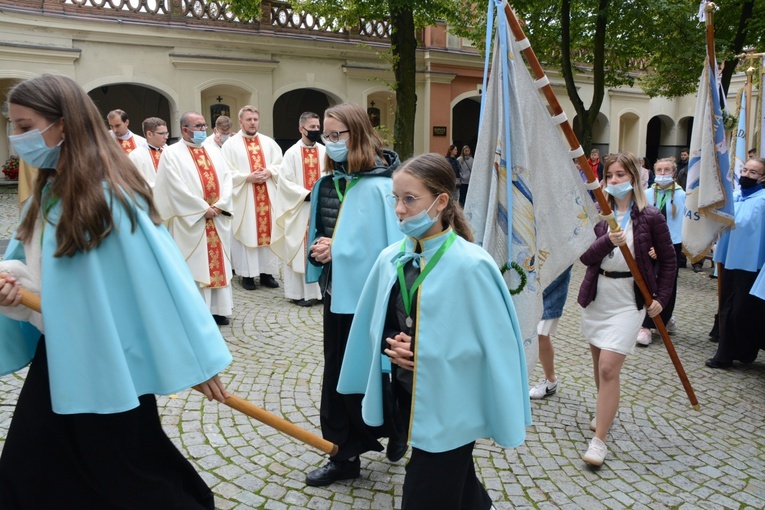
(166, 133)
(754, 174)
(407, 200)
(333, 136)
(197, 126)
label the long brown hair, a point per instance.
(438, 176)
(630, 164)
(89, 160)
(364, 144)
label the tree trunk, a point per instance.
(747, 9)
(404, 49)
(586, 116)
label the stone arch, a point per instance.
(288, 107)
(659, 138)
(381, 107)
(629, 131)
(139, 99)
(600, 133)
(221, 96)
(465, 114)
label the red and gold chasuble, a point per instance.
(155, 154)
(311, 168)
(211, 189)
(128, 145)
(259, 191)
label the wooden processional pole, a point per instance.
(594, 185)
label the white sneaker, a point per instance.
(594, 424)
(596, 453)
(671, 325)
(644, 336)
(543, 389)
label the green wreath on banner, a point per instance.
(521, 274)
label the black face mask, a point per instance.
(747, 182)
(314, 136)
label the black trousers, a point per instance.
(741, 332)
(92, 461)
(446, 481)
(340, 415)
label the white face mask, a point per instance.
(663, 180)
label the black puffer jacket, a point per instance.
(328, 208)
(649, 230)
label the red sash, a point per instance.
(155, 154)
(311, 167)
(259, 191)
(211, 189)
(128, 145)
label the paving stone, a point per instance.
(662, 453)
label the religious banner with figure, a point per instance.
(526, 204)
(709, 190)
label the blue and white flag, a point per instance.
(709, 191)
(739, 143)
(537, 222)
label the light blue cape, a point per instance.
(675, 223)
(470, 377)
(365, 226)
(121, 320)
(744, 246)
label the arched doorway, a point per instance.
(683, 138)
(600, 137)
(465, 116)
(137, 101)
(629, 132)
(5, 124)
(287, 111)
(658, 141)
(381, 108)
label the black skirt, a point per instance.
(92, 461)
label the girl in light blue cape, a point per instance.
(435, 313)
(121, 320)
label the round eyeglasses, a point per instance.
(407, 200)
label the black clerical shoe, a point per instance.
(221, 320)
(248, 283)
(303, 302)
(333, 471)
(396, 448)
(713, 363)
(268, 281)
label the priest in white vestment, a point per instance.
(146, 159)
(221, 133)
(301, 167)
(253, 160)
(193, 195)
(118, 127)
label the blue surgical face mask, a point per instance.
(619, 190)
(337, 151)
(31, 147)
(197, 137)
(663, 180)
(223, 138)
(419, 224)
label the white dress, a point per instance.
(612, 321)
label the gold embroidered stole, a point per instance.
(311, 167)
(211, 189)
(155, 154)
(128, 145)
(259, 191)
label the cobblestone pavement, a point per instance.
(662, 453)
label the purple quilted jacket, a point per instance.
(649, 228)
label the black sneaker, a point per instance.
(268, 281)
(248, 283)
(221, 320)
(303, 302)
(333, 471)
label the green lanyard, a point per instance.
(50, 203)
(406, 294)
(348, 187)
